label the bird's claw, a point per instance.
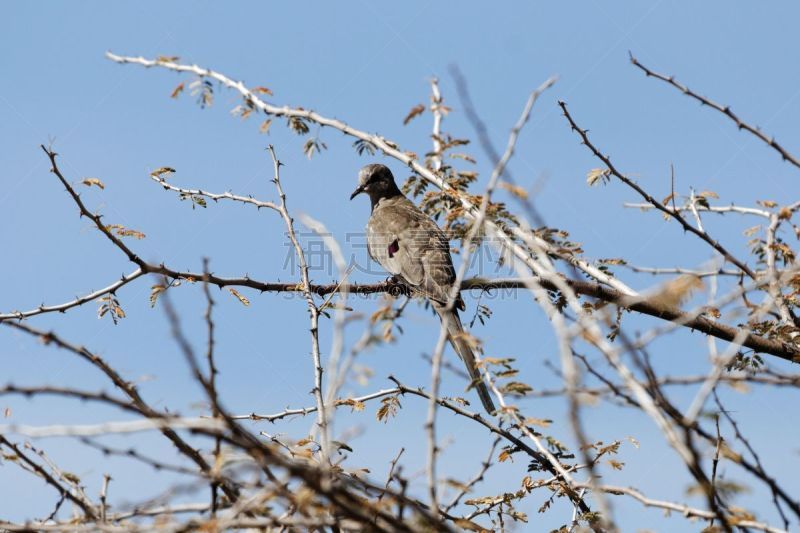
(397, 287)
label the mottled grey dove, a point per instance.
(412, 247)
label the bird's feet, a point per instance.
(397, 287)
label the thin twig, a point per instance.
(655, 203)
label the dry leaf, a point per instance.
(415, 112)
(595, 174)
(739, 386)
(708, 194)
(177, 90)
(353, 404)
(728, 453)
(465, 157)
(616, 465)
(468, 525)
(516, 190)
(749, 232)
(541, 422)
(389, 408)
(155, 291)
(125, 232)
(93, 181)
(676, 291)
(528, 484)
(122, 231)
(241, 298)
(157, 173)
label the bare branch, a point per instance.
(61, 308)
(86, 506)
(725, 110)
(681, 508)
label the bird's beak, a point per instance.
(358, 191)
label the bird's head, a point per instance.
(377, 181)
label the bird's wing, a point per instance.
(407, 243)
(392, 243)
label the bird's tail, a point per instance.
(455, 333)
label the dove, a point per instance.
(408, 244)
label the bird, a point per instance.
(409, 244)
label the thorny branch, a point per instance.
(725, 110)
(655, 203)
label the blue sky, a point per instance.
(368, 64)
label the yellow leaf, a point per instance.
(504, 456)
(93, 181)
(241, 298)
(264, 128)
(708, 194)
(769, 204)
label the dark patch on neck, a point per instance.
(390, 192)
